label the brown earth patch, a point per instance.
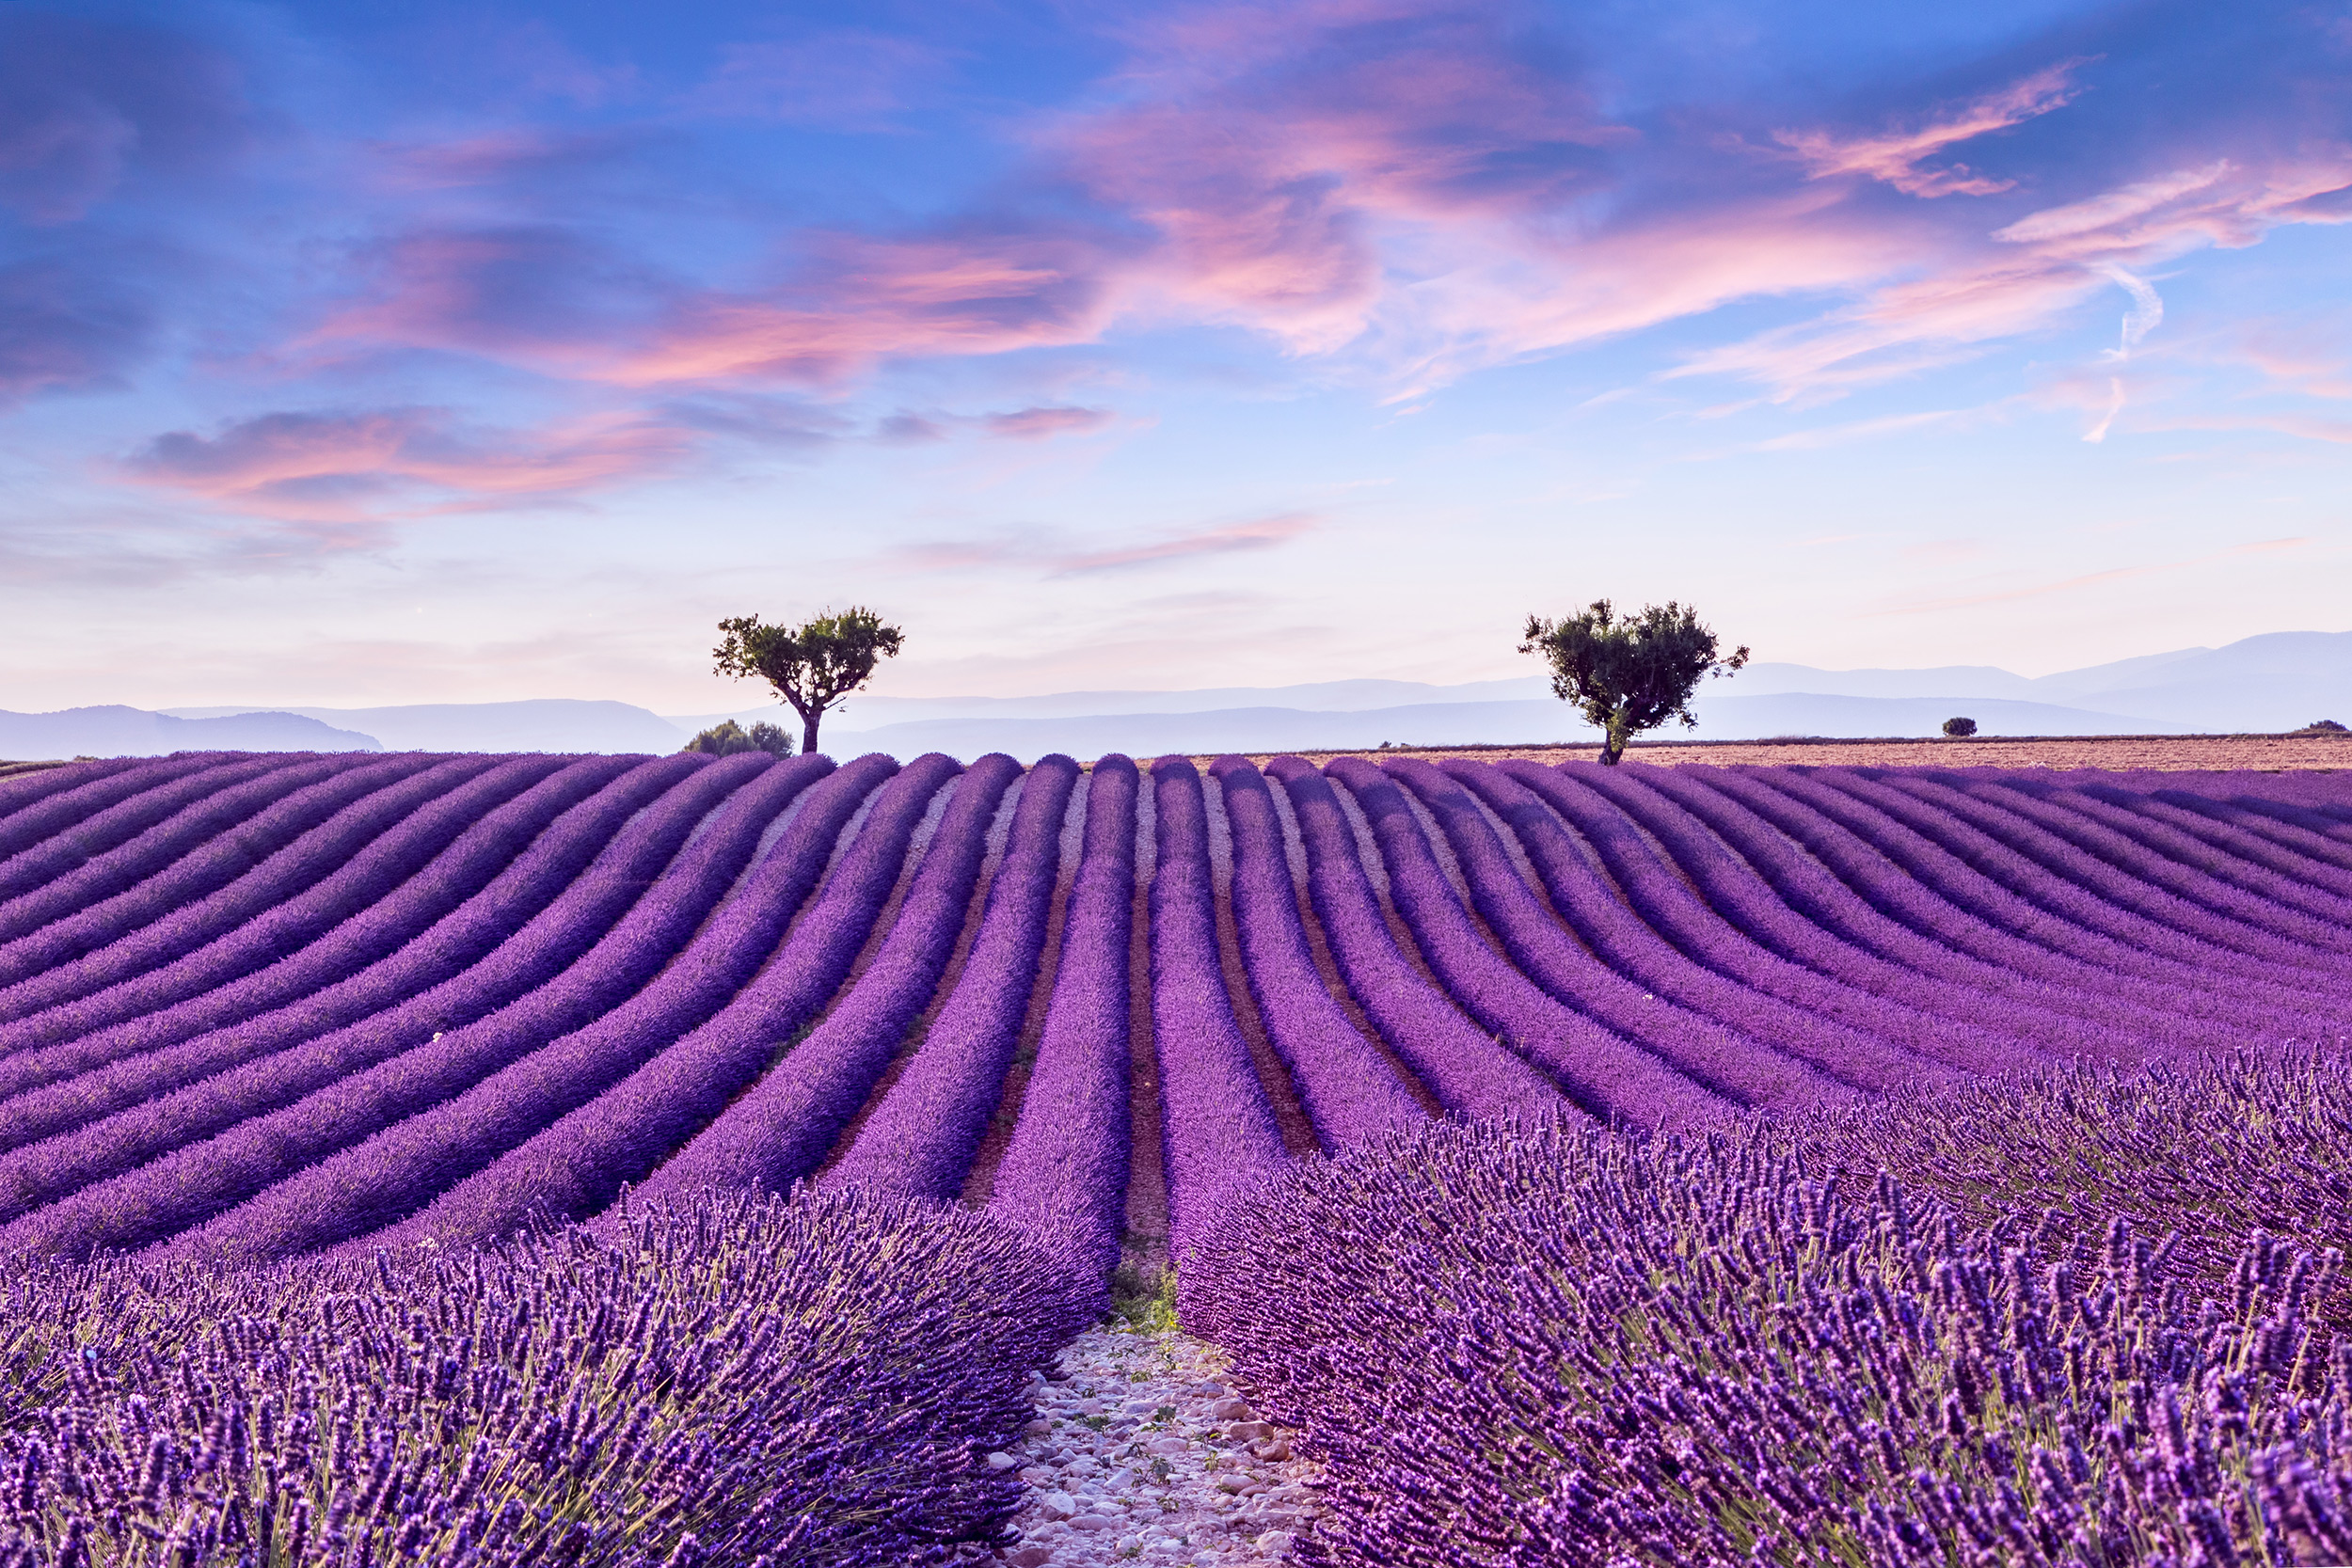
(2121, 752)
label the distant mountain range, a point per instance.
(130, 732)
(2276, 682)
(546, 724)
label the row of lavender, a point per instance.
(257, 1007)
(2095, 1323)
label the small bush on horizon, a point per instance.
(729, 740)
(1959, 729)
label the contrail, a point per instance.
(2141, 319)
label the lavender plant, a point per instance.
(2207, 1153)
(921, 1139)
(1218, 1131)
(1553, 1343)
(1349, 1091)
(241, 901)
(483, 824)
(114, 849)
(1463, 1066)
(1064, 1179)
(1608, 1075)
(543, 910)
(735, 1380)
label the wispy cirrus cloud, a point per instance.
(1049, 555)
(379, 464)
(1894, 157)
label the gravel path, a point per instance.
(1140, 1452)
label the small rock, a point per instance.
(1167, 1446)
(1233, 1410)
(1141, 1407)
(1273, 1450)
(1230, 1483)
(1036, 1474)
(1001, 1461)
(1092, 1521)
(1030, 1556)
(1249, 1431)
(1058, 1505)
(1038, 1428)
(1274, 1542)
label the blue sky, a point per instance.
(356, 353)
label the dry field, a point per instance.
(2120, 753)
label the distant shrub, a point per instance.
(2323, 726)
(1959, 729)
(725, 740)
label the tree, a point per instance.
(1959, 729)
(813, 667)
(727, 739)
(1631, 674)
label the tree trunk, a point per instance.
(1613, 746)
(808, 729)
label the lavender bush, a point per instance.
(548, 906)
(1347, 1087)
(101, 856)
(35, 807)
(2207, 1153)
(1064, 1179)
(483, 824)
(1613, 1078)
(738, 1381)
(1218, 1133)
(921, 1139)
(242, 900)
(1557, 1344)
(272, 1127)
(1462, 1066)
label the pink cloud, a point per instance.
(1031, 424)
(397, 462)
(1894, 157)
(2038, 271)
(2228, 204)
(532, 295)
(1413, 189)
(1056, 560)
(2308, 359)
(1279, 152)
(867, 300)
(1260, 533)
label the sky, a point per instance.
(367, 353)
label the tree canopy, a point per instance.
(1630, 674)
(727, 739)
(813, 666)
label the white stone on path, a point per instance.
(1142, 1450)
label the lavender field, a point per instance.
(393, 1150)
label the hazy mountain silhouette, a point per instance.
(115, 731)
(2266, 684)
